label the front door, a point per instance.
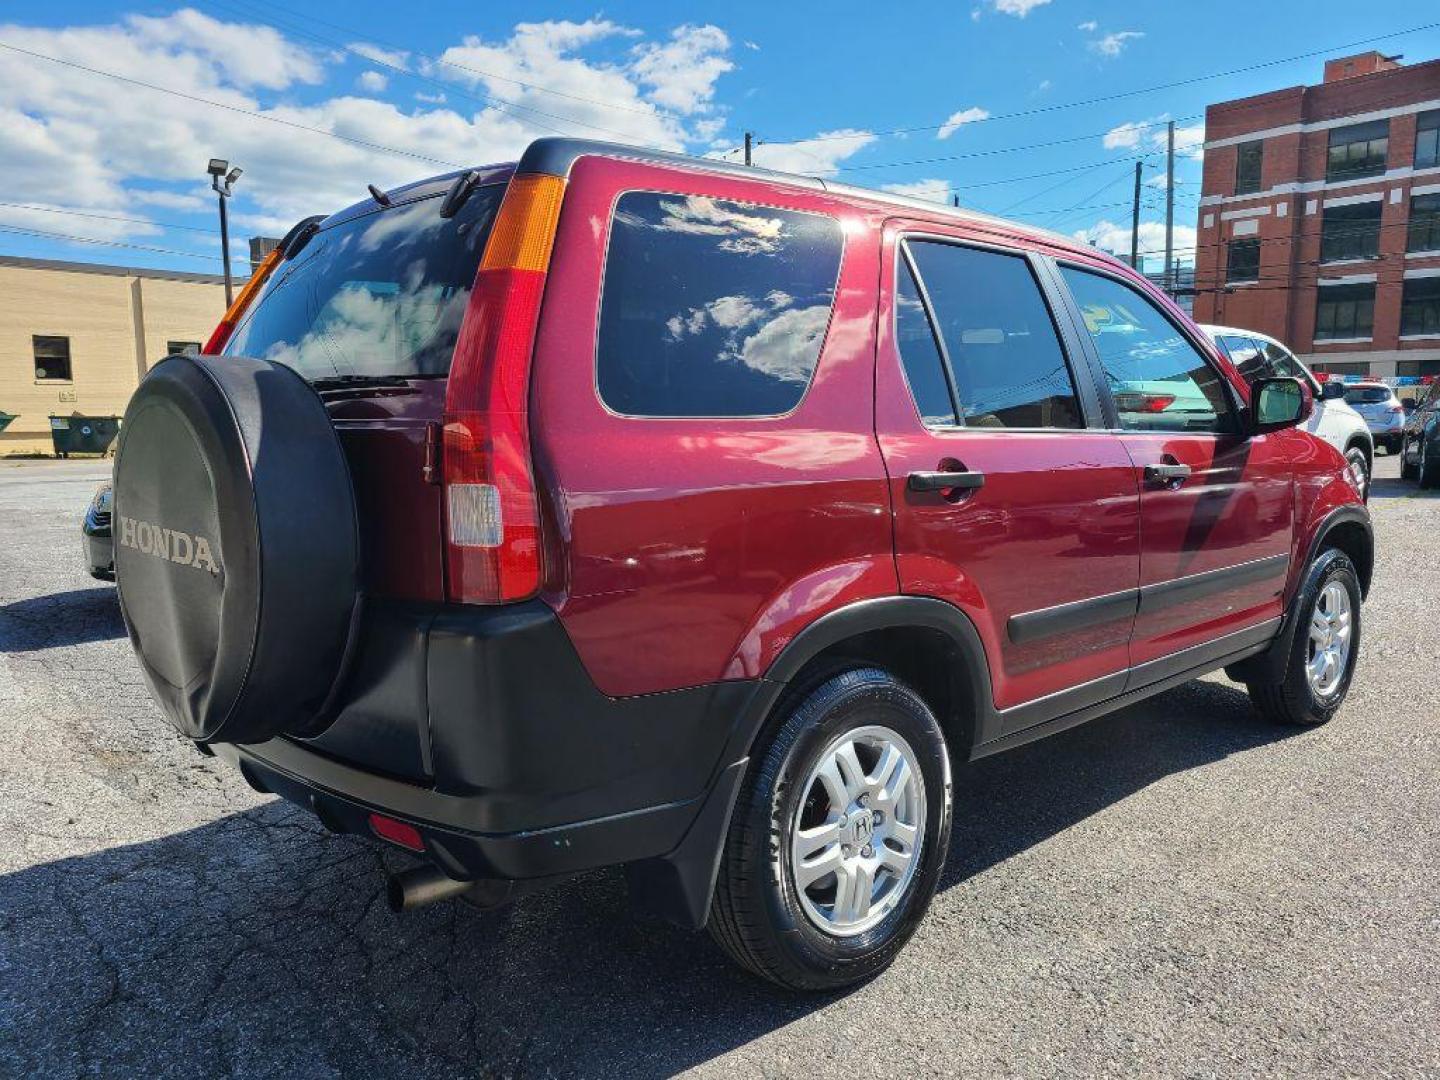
(1216, 507)
(1010, 499)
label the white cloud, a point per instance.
(372, 81)
(1189, 140)
(437, 98)
(682, 72)
(75, 139)
(820, 156)
(934, 190)
(1115, 239)
(1018, 8)
(752, 46)
(1113, 44)
(959, 119)
(395, 58)
(1043, 87)
(1089, 26)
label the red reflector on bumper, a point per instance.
(397, 832)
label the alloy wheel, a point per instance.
(1328, 650)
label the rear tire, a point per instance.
(826, 934)
(1327, 612)
(1428, 469)
(1408, 469)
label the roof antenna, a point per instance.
(378, 195)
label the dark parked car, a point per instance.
(95, 535)
(1420, 452)
(620, 508)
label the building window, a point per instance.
(1345, 311)
(52, 358)
(1351, 232)
(1248, 158)
(1242, 261)
(1358, 150)
(1417, 368)
(1420, 307)
(1341, 369)
(1427, 140)
(182, 348)
(1424, 223)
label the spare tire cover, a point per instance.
(236, 549)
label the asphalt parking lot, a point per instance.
(1178, 888)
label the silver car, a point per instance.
(1382, 411)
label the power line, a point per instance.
(72, 212)
(106, 243)
(1123, 94)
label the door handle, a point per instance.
(1173, 475)
(945, 481)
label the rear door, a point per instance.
(1216, 507)
(1010, 500)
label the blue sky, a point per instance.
(995, 102)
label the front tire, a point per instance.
(838, 837)
(1324, 650)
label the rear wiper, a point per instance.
(357, 382)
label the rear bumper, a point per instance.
(481, 728)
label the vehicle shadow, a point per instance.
(75, 617)
(1392, 487)
(258, 942)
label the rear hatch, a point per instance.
(368, 309)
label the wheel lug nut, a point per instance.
(867, 851)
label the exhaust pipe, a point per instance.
(419, 886)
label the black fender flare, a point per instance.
(1269, 665)
(680, 885)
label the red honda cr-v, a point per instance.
(622, 508)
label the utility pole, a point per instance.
(1169, 205)
(749, 142)
(955, 201)
(1135, 223)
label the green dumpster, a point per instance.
(5, 419)
(83, 434)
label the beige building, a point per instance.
(75, 338)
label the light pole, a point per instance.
(223, 182)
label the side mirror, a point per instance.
(1279, 403)
(1332, 390)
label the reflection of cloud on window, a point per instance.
(727, 313)
(785, 348)
(410, 224)
(698, 215)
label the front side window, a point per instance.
(380, 295)
(1281, 364)
(1008, 365)
(1420, 307)
(52, 358)
(1248, 159)
(1427, 140)
(1345, 311)
(1351, 232)
(712, 307)
(1358, 150)
(1247, 356)
(1242, 261)
(1424, 231)
(1160, 382)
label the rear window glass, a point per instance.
(1367, 395)
(711, 307)
(380, 295)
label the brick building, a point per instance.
(1319, 218)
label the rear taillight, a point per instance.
(1132, 402)
(492, 520)
(227, 325)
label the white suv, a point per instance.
(1258, 356)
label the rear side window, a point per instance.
(920, 356)
(1004, 353)
(377, 296)
(712, 307)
